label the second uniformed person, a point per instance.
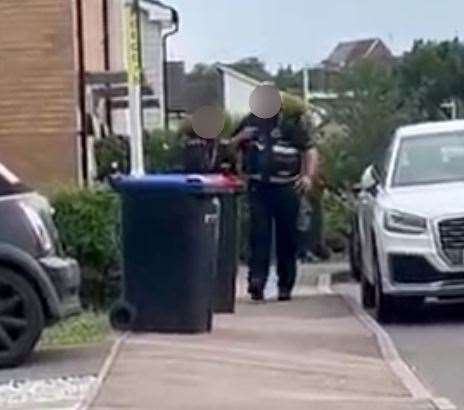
(279, 163)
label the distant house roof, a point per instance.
(255, 79)
(351, 52)
(185, 95)
(227, 69)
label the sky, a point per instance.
(303, 32)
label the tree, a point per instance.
(368, 109)
(289, 80)
(432, 73)
(253, 67)
(201, 72)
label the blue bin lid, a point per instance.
(190, 183)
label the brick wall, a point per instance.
(94, 35)
(38, 90)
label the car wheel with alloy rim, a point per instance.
(21, 318)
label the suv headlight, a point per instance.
(38, 227)
(401, 222)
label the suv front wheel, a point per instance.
(384, 304)
(367, 292)
(21, 318)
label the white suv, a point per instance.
(411, 219)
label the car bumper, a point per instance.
(413, 266)
(66, 277)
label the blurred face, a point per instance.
(208, 122)
(265, 101)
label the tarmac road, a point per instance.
(431, 341)
(60, 362)
(52, 379)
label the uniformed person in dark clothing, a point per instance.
(203, 150)
(199, 154)
(279, 163)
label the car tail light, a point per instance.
(38, 227)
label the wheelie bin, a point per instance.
(170, 232)
(229, 188)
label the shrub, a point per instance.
(87, 220)
(337, 221)
(110, 152)
(162, 152)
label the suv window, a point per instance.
(383, 162)
(430, 159)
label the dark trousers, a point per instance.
(273, 205)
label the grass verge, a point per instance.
(85, 328)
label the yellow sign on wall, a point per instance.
(134, 71)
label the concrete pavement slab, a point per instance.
(310, 353)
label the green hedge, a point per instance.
(162, 152)
(337, 215)
(88, 222)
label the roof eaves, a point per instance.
(153, 9)
(237, 74)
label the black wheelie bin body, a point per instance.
(170, 234)
(229, 187)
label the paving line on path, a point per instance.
(390, 353)
(89, 399)
(340, 398)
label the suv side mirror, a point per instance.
(370, 179)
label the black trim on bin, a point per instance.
(415, 269)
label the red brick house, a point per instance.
(38, 90)
(346, 54)
(47, 48)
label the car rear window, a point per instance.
(10, 184)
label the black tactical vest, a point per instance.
(273, 154)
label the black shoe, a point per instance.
(284, 296)
(257, 296)
(256, 293)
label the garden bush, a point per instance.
(162, 152)
(111, 152)
(87, 220)
(337, 213)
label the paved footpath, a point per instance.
(310, 353)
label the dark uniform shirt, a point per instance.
(206, 156)
(275, 150)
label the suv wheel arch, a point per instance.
(25, 265)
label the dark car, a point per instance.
(38, 284)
